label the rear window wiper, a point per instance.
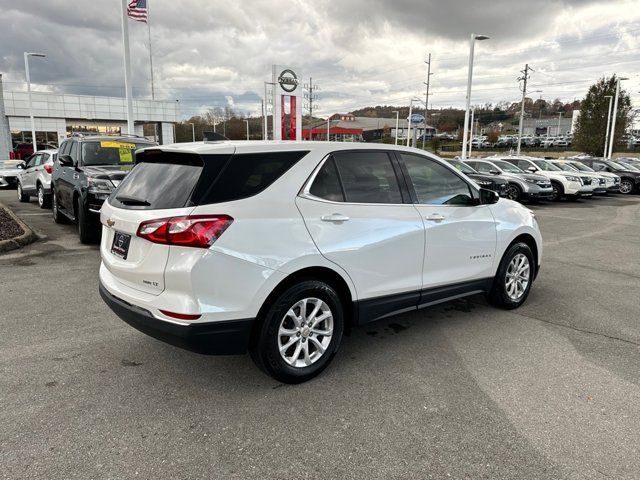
(132, 201)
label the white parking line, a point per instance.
(32, 214)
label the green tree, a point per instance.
(591, 126)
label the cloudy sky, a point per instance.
(211, 53)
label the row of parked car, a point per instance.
(511, 141)
(523, 178)
(77, 178)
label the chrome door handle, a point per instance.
(334, 217)
(434, 217)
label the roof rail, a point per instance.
(100, 134)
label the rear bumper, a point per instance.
(229, 337)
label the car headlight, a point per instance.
(100, 185)
(483, 182)
(530, 180)
(574, 179)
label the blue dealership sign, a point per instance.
(416, 118)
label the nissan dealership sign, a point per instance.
(288, 80)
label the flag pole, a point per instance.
(153, 92)
(127, 68)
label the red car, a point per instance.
(24, 149)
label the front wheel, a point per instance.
(514, 192)
(512, 283)
(558, 191)
(22, 197)
(626, 186)
(301, 332)
(55, 209)
(87, 231)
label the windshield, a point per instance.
(616, 166)
(463, 167)
(507, 167)
(546, 166)
(566, 167)
(628, 166)
(110, 152)
(582, 167)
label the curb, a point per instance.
(29, 236)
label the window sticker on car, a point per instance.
(126, 155)
(111, 144)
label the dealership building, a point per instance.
(346, 127)
(57, 114)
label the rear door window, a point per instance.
(368, 177)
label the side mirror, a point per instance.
(532, 169)
(21, 165)
(494, 172)
(65, 160)
(488, 197)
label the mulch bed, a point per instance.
(8, 226)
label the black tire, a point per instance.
(88, 231)
(57, 216)
(264, 347)
(44, 200)
(498, 295)
(22, 197)
(558, 191)
(514, 192)
(626, 186)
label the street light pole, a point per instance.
(465, 132)
(193, 132)
(397, 112)
(559, 120)
(473, 113)
(614, 116)
(426, 103)
(606, 138)
(247, 122)
(26, 69)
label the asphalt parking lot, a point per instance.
(460, 390)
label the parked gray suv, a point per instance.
(35, 178)
(522, 185)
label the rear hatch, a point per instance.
(160, 186)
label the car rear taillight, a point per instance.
(181, 316)
(48, 168)
(198, 231)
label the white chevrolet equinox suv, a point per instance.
(281, 248)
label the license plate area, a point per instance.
(120, 245)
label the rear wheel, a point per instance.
(514, 192)
(88, 231)
(301, 332)
(626, 186)
(22, 197)
(512, 283)
(44, 200)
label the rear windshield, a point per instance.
(173, 180)
(111, 152)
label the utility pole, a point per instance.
(614, 116)
(524, 94)
(426, 104)
(310, 96)
(606, 138)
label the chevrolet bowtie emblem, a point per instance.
(110, 222)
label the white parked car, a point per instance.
(281, 247)
(35, 177)
(612, 181)
(592, 180)
(564, 184)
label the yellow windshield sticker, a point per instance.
(109, 144)
(126, 155)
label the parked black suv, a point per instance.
(629, 179)
(490, 182)
(87, 170)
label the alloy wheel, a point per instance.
(40, 197)
(512, 192)
(517, 277)
(626, 186)
(305, 332)
(19, 192)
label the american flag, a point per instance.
(137, 10)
